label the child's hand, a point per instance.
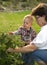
(11, 33)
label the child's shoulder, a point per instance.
(32, 29)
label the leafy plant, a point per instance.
(7, 41)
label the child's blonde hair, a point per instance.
(30, 17)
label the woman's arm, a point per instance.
(25, 49)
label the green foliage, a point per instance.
(6, 58)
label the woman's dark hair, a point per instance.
(40, 10)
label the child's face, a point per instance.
(27, 23)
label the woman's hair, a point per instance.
(28, 17)
(40, 10)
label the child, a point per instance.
(27, 34)
(26, 31)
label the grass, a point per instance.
(10, 21)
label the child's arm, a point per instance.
(18, 32)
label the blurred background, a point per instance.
(15, 5)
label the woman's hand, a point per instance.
(11, 50)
